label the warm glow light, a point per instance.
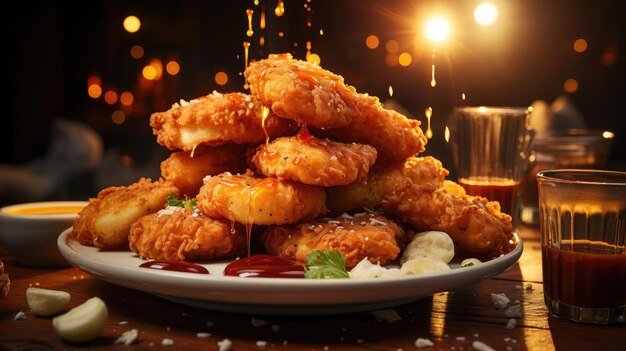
(118, 117)
(94, 91)
(221, 78)
(172, 68)
(110, 97)
(437, 30)
(132, 24)
(570, 85)
(281, 34)
(127, 98)
(372, 41)
(392, 46)
(314, 58)
(136, 52)
(608, 58)
(580, 45)
(391, 60)
(485, 14)
(94, 80)
(405, 59)
(149, 72)
(390, 90)
(446, 134)
(608, 135)
(158, 66)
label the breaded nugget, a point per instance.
(454, 188)
(214, 120)
(187, 172)
(476, 226)
(180, 234)
(302, 91)
(314, 161)
(249, 200)
(106, 221)
(394, 136)
(383, 180)
(357, 237)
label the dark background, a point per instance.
(527, 55)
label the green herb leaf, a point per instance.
(370, 210)
(468, 264)
(325, 264)
(188, 203)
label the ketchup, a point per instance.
(304, 134)
(265, 266)
(177, 266)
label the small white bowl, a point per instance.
(30, 230)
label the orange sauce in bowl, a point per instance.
(44, 210)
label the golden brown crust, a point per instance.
(382, 180)
(266, 201)
(186, 235)
(214, 120)
(394, 136)
(187, 172)
(106, 221)
(454, 188)
(476, 226)
(302, 91)
(314, 161)
(363, 236)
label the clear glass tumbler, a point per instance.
(490, 148)
(582, 215)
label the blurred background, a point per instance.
(85, 76)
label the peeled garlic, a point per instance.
(431, 243)
(45, 302)
(82, 323)
(424, 265)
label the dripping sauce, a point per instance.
(265, 266)
(176, 266)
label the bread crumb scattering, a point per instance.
(500, 300)
(224, 345)
(420, 343)
(127, 338)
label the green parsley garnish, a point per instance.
(369, 210)
(325, 264)
(188, 203)
(468, 264)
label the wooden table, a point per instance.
(451, 320)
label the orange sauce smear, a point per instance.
(47, 210)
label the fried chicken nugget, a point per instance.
(454, 188)
(356, 237)
(382, 180)
(394, 136)
(187, 172)
(314, 161)
(180, 234)
(106, 221)
(266, 201)
(476, 226)
(214, 120)
(302, 91)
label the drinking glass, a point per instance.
(582, 215)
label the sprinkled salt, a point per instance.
(481, 346)
(224, 345)
(203, 335)
(19, 315)
(510, 324)
(514, 311)
(167, 342)
(261, 343)
(500, 300)
(123, 323)
(460, 338)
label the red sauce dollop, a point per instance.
(265, 266)
(176, 266)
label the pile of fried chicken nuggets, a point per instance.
(300, 158)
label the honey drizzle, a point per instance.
(429, 113)
(249, 13)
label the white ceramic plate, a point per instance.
(273, 295)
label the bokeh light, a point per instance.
(110, 97)
(437, 30)
(392, 46)
(94, 91)
(570, 85)
(132, 24)
(221, 78)
(580, 45)
(172, 68)
(127, 98)
(118, 117)
(485, 14)
(405, 59)
(136, 52)
(314, 58)
(372, 41)
(149, 72)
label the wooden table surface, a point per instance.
(451, 320)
